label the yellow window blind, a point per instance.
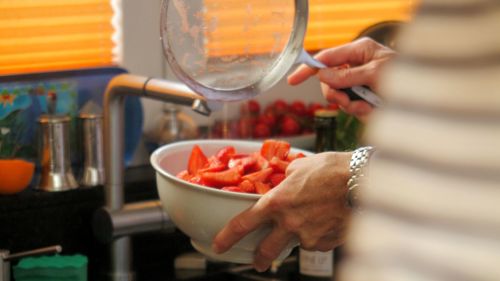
(48, 35)
(335, 22)
(331, 22)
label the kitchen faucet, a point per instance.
(117, 220)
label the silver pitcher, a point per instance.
(54, 154)
(93, 149)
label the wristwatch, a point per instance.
(359, 161)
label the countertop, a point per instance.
(33, 219)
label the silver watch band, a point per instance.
(359, 160)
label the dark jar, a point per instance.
(325, 123)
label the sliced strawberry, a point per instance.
(197, 180)
(272, 148)
(225, 154)
(240, 155)
(260, 176)
(262, 188)
(197, 160)
(184, 175)
(225, 178)
(262, 162)
(276, 179)
(243, 164)
(247, 186)
(292, 157)
(213, 165)
(278, 165)
(232, 189)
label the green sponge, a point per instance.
(54, 268)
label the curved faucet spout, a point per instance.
(118, 88)
(177, 93)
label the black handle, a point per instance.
(363, 93)
(352, 95)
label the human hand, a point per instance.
(364, 59)
(310, 204)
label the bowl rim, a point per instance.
(155, 158)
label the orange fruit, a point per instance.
(15, 175)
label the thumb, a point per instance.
(340, 78)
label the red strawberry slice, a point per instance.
(261, 163)
(275, 148)
(232, 188)
(292, 157)
(260, 176)
(214, 165)
(276, 179)
(225, 154)
(184, 175)
(243, 164)
(197, 160)
(247, 186)
(262, 188)
(229, 177)
(278, 165)
(197, 180)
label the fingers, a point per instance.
(301, 74)
(331, 241)
(340, 78)
(356, 53)
(334, 96)
(270, 248)
(359, 108)
(237, 228)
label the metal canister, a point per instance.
(93, 149)
(54, 154)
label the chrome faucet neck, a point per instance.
(114, 100)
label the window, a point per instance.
(331, 22)
(47, 35)
(335, 22)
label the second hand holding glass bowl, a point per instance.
(234, 50)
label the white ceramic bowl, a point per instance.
(201, 212)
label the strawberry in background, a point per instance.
(298, 108)
(267, 118)
(333, 106)
(253, 107)
(277, 118)
(312, 108)
(289, 126)
(280, 107)
(261, 131)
